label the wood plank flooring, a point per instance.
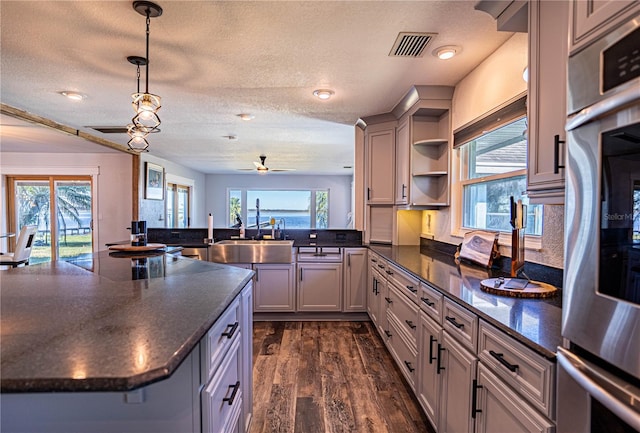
(328, 377)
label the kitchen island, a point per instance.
(122, 342)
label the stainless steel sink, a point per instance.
(251, 251)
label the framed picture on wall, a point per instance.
(154, 182)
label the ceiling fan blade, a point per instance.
(246, 169)
(282, 169)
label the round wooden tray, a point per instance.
(533, 289)
(137, 248)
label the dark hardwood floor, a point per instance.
(317, 377)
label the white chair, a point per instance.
(22, 251)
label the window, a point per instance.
(61, 208)
(492, 169)
(178, 205)
(299, 208)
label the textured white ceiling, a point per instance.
(212, 60)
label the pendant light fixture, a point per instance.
(146, 105)
(138, 133)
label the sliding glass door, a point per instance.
(60, 206)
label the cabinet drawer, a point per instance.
(402, 351)
(527, 372)
(378, 263)
(431, 302)
(405, 312)
(319, 254)
(219, 338)
(402, 280)
(222, 397)
(461, 323)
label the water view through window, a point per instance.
(300, 209)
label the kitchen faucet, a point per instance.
(258, 217)
(284, 227)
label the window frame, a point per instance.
(244, 208)
(497, 118)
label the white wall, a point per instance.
(339, 192)
(152, 211)
(111, 171)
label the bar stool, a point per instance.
(22, 252)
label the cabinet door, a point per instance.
(373, 296)
(355, 279)
(500, 410)
(428, 387)
(403, 147)
(547, 111)
(458, 374)
(592, 18)
(274, 288)
(246, 351)
(380, 167)
(319, 286)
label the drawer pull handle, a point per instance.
(374, 260)
(432, 340)
(381, 266)
(409, 366)
(427, 301)
(556, 154)
(411, 325)
(232, 397)
(438, 364)
(474, 399)
(452, 320)
(389, 272)
(389, 300)
(229, 333)
(412, 289)
(387, 333)
(500, 357)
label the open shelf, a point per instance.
(431, 142)
(430, 174)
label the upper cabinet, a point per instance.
(380, 154)
(403, 147)
(546, 111)
(591, 19)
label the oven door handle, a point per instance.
(601, 108)
(609, 390)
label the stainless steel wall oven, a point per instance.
(599, 370)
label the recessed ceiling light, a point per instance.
(230, 137)
(446, 52)
(75, 96)
(323, 94)
(525, 74)
(246, 116)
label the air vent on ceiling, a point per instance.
(410, 44)
(110, 129)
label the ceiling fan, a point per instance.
(263, 169)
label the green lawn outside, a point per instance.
(75, 245)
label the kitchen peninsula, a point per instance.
(113, 343)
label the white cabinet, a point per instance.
(428, 386)
(500, 410)
(380, 150)
(403, 149)
(221, 398)
(590, 19)
(355, 280)
(246, 380)
(373, 291)
(546, 105)
(319, 286)
(274, 288)
(458, 374)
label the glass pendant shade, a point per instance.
(138, 141)
(146, 106)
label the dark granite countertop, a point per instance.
(534, 322)
(112, 322)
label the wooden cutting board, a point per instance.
(137, 248)
(518, 288)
